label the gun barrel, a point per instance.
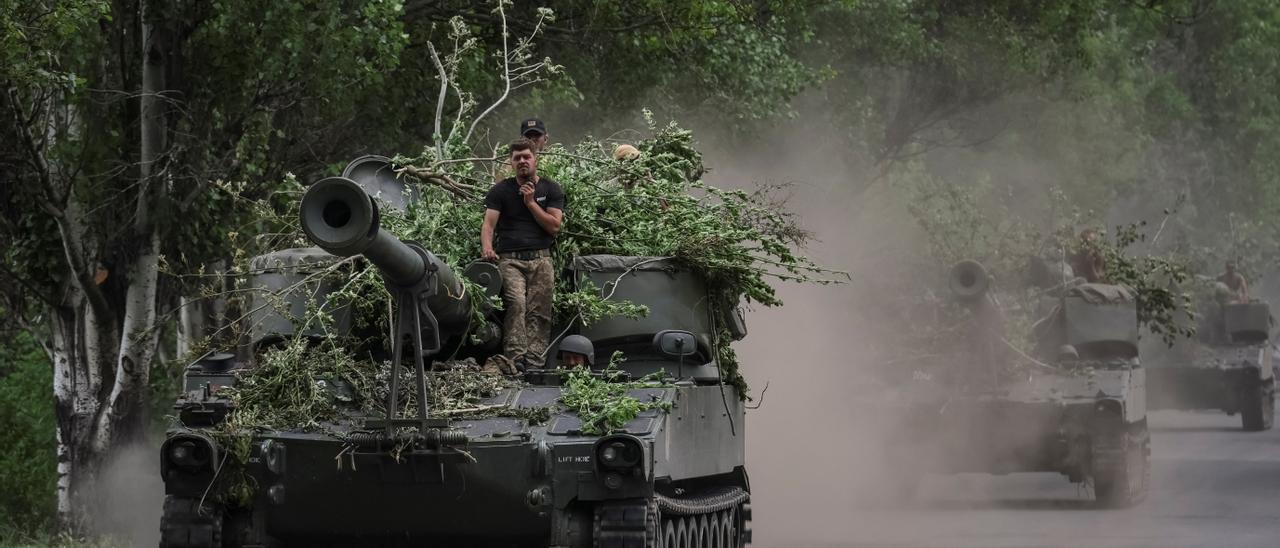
(968, 280)
(340, 217)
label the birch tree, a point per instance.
(113, 144)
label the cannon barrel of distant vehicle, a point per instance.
(341, 218)
(968, 280)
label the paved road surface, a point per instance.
(1213, 486)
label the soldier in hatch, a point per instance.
(626, 153)
(1235, 281)
(577, 351)
(1087, 261)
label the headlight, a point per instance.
(619, 453)
(190, 454)
(273, 454)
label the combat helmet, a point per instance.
(579, 345)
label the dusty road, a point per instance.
(1213, 486)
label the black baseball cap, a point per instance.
(531, 125)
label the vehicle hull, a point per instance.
(1088, 425)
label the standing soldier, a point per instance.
(522, 216)
(1235, 281)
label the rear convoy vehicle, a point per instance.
(1078, 410)
(1228, 366)
(667, 478)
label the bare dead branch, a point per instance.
(444, 87)
(506, 75)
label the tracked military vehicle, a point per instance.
(666, 479)
(1075, 405)
(1229, 365)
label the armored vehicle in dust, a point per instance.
(667, 478)
(1227, 366)
(1075, 405)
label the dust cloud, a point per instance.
(814, 444)
(129, 497)
(818, 448)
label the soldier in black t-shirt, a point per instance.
(524, 213)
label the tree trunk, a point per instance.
(102, 353)
(79, 360)
(100, 383)
(125, 413)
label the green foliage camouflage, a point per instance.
(312, 386)
(656, 205)
(602, 402)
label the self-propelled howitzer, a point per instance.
(672, 476)
(1076, 405)
(1228, 365)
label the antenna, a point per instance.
(1062, 271)
(680, 350)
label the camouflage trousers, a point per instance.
(527, 286)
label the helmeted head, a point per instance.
(576, 350)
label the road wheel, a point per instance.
(1257, 407)
(725, 528)
(186, 523)
(1122, 469)
(713, 519)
